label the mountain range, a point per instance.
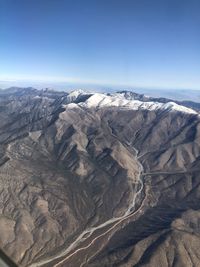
(99, 179)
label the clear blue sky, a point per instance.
(144, 43)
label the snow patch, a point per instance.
(98, 100)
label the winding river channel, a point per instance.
(88, 232)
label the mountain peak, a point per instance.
(127, 100)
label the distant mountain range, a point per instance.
(175, 94)
(99, 179)
(162, 96)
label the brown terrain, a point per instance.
(97, 186)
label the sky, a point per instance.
(135, 43)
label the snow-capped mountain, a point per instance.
(124, 100)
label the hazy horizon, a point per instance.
(80, 85)
(170, 93)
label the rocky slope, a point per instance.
(73, 162)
